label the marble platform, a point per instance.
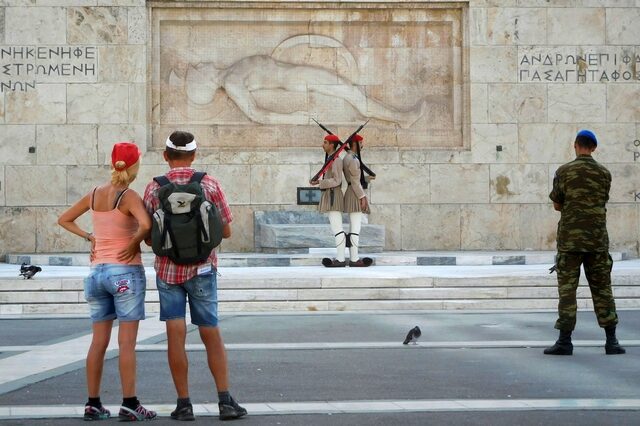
(286, 231)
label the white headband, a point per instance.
(188, 147)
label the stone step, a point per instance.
(331, 305)
(48, 284)
(314, 257)
(59, 289)
(77, 296)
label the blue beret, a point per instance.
(588, 134)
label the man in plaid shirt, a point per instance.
(196, 283)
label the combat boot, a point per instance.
(563, 345)
(612, 347)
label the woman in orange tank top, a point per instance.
(116, 285)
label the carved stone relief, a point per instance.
(215, 70)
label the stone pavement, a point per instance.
(308, 368)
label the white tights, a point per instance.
(335, 219)
(355, 223)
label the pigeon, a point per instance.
(412, 336)
(28, 271)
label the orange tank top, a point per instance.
(113, 230)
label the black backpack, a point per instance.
(186, 227)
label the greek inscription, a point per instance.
(595, 67)
(21, 67)
(16, 86)
(636, 155)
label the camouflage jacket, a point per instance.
(581, 187)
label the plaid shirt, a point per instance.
(166, 270)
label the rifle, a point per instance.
(323, 128)
(363, 166)
(337, 152)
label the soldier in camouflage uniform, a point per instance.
(580, 192)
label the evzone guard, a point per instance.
(332, 199)
(331, 186)
(355, 199)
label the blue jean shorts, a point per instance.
(202, 293)
(116, 291)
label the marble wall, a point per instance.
(473, 106)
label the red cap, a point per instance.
(332, 138)
(357, 138)
(124, 155)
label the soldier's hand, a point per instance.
(364, 204)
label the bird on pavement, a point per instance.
(412, 336)
(28, 271)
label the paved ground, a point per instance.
(469, 368)
(547, 418)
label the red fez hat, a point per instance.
(124, 155)
(357, 138)
(332, 138)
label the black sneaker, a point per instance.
(231, 411)
(184, 413)
(94, 413)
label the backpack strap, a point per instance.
(168, 230)
(197, 177)
(201, 230)
(162, 180)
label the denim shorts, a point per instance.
(202, 293)
(116, 291)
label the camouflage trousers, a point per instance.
(597, 269)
